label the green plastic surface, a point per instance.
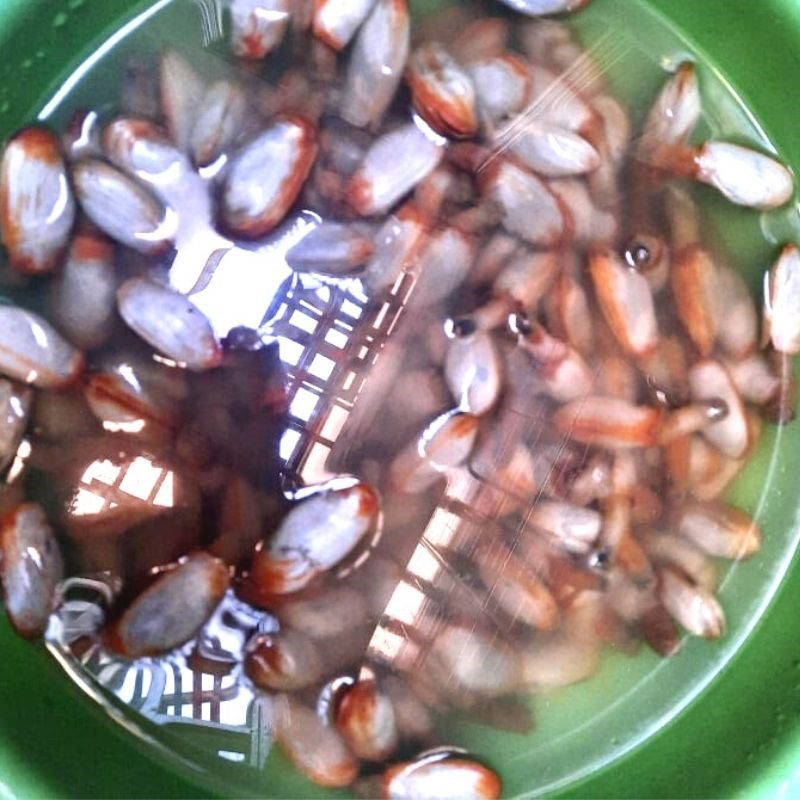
(739, 738)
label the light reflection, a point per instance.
(322, 367)
(166, 177)
(443, 528)
(22, 455)
(405, 604)
(335, 422)
(244, 282)
(136, 426)
(139, 480)
(167, 362)
(270, 16)
(386, 644)
(141, 477)
(303, 321)
(291, 351)
(352, 309)
(229, 755)
(64, 197)
(86, 503)
(289, 442)
(429, 133)
(166, 494)
(88, 126)
(17, 408)
(336, 338)
(314, 469)
(34, 555)
(424, 565)
(165, 230)
(40, 336)
(241, 289)
(128, 374)
(213, 170)
(211, 15)
(304, 404)
(101, 470)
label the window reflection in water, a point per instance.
(105, 485)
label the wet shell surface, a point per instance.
(30, 569)
(267, 175)
(188, 339)
(327, 762)
(172, 610)
(258, 26)
(83, 299)
(37, 206)
(441, 777)
(122, 208)
(315, 536)
(34, 352)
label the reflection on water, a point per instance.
(331, 337)
(200, 686)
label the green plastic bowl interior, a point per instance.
(739, 735)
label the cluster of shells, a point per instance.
(569, 336)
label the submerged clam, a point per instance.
(315, 536)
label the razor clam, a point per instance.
(83, 296)
(501, 84)
(720, 530)
(445, 443)
(377, 62)
(673, 116)
(315, 749)
(315, 536)
(219, 122)
(33, 352)
(693, 607)
(336, 21)
(284, 661)
(473, 368)
(365, 718)
(258, 26)
(440, 776)
(782, 302)
(551, 151)
(730, 432)
(172, 610)
(744, 176)
(30, 569)
(563, 373)
(331, 248)
(529, 209)
(15, 413)
(188, 339)
(608, 422)
(397, 244)
(122, 208)
(392, 167)
(181, 94)
(266, 176)
(37, 206)
(442, 92)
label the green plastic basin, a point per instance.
(739, 738)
